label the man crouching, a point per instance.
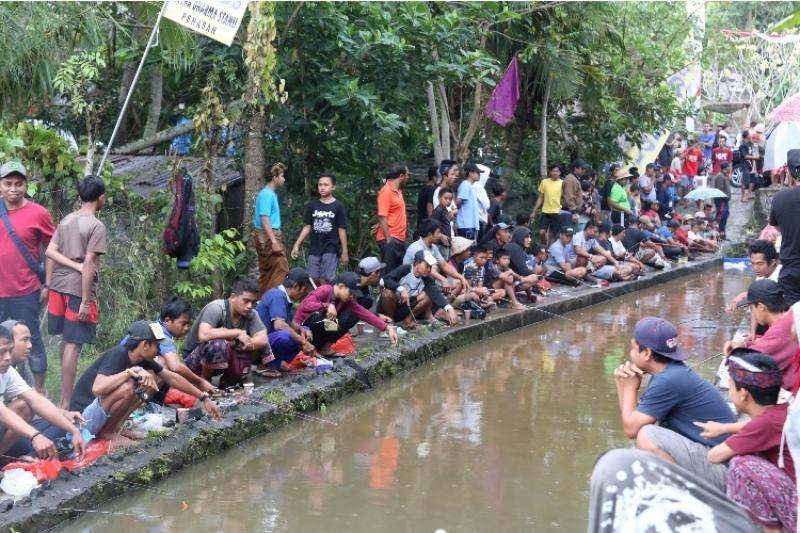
(124, 377)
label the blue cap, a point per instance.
(660, 336)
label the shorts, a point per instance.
(323, 266)
(96, 417)
(468, 233)
(689, 454)
(402, 311)
(550, 222)
(62, 318)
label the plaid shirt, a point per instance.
(473, 272)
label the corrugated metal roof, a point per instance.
(148, 173)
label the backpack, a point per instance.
(181, 234)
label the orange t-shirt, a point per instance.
(392, 205)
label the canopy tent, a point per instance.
(785, 137)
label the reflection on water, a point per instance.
(500, 436)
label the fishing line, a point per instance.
(707, 359)
(556, 315)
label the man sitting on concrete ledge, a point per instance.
(19, 405)
(676, 398)
(228, 336)
(331, 311)
(124, 377)
(411, 294)
(562, 263)
(275, 309)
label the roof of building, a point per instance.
(148, 173)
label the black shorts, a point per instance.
(550, 222)
(402, 310)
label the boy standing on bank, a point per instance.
(326, 220)
(272, 263)
(73, 268)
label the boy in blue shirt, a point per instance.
(467, 218)
(675, 399)
(276, 310)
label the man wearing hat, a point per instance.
(411, 293)
(768, 308)
(618, 198)
(330, 311)
(124, 377)
(675, 399)
(370, 270)
(276, 309)
(27, 229)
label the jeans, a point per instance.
(26, 309)
(392, 252)
(468, 233)
(789, 281)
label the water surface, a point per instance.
(499, 436)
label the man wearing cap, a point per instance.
(563, 257)
(330, 311)
(227, 336)
(18, 405)
(618, 199)
(370, 270)
(411, 293)
(769, 309)
(675, 398)
(24, 288)
(123, 377)
(429, 235)
(571, 198)
(276, 309)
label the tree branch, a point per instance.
(289, 22)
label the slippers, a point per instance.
(267, 372)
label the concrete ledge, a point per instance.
(278, 402)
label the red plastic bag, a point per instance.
(344, 345)
(179, 398)
(94, 450)
(42, 470)
(299, 361)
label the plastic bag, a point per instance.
(345, 345)
(42, 470)
(179, 398)
(18, 482)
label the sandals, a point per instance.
(267, 373)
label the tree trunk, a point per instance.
(518, 134)
(543, 148)
(254, 168)
(125, 84)
(154, 110)
(91, 147)
(158, 138)
(444, 128)
(437, 139)
(475, 120)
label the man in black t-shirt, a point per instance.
(783, 215)
(115, 384)
(748, 150)
(425, 205)
(325, 220)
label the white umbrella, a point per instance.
(785, 137)
(705, 193)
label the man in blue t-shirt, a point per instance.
(675, 399)
(276, 311)
(707, 138)
(561, 265)
(272, 262)
(467, 218)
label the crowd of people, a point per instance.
(464, 258)
(698, 462)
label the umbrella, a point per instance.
(788, 111)
(705, 193)
(785, 137)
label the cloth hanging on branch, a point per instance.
(503, 103)
(181, 234)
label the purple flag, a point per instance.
(504, 99)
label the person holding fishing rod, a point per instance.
(769, 309)
(561, 265)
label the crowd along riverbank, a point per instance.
(274, 404)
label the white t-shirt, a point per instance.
(452, 207)
(774, 276)
(12, 385)
(617, 248)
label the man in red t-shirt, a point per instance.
(757, 479)
(694, 156)
(392, 219)
(21, 292)
(721, 154)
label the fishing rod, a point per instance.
(707, 359)
(556, 315)
(738, 307)
(290, 410)
(114, 513)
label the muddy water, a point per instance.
(500, 436)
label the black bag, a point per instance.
(793, 162)
(37, 268)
